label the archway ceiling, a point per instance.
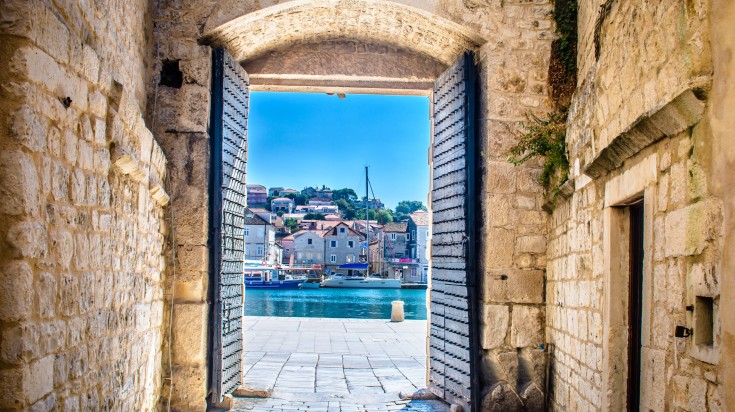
(307, 21)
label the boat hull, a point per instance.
(362, 284)
(275, 284)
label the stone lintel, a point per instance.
(682, 112)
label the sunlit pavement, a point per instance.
(330, 365)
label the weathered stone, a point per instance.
(254, 393)
(532, 398)
(11, 387)
(500, 177)
(498, 249)
(16, 291)
(513, 286)
(501, 397)
(689, 229)
(494, 328)
(19, 184)
(190, 341)
(38, 379)
(46, 295)
(527, 326)
(30, 129)
(62, 247)
(531, 244)
(27, 239)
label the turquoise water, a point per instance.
(334, 303)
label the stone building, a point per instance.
(106, 155)
(342, 246)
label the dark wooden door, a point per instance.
(228, 133)
(453, 340)
(635, 307)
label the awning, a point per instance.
(357, 266)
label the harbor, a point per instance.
(334, 303)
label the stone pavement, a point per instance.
(335, 364)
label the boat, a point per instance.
(311, 283)
(263, 278)
(339, 280)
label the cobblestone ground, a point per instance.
(335, 365)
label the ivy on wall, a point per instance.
(546, 137)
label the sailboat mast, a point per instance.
(367, 223)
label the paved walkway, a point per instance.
(335, 364)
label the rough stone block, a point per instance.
(531, 244)
(501, 398)
(29, 129)
(513, 286)
(527, 326)
(689, 229)
(494, 325)
(19, 184)
(532, 398)
(46, 295)
(190, 388)
(189, 337)
(498, 248)
(38, 379)
(27, 239)
(500, 177)
(16, 291)
(11, 388)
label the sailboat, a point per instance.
(339, 280)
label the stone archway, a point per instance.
(513, 68)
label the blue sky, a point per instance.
(308, 139)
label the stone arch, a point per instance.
(390, 23)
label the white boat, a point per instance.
(339, 280)
(311, 283)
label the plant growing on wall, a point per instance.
(544, 138)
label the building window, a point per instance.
(332, 243)
(247, 231)
(318, 256)
(309, 241)
(309, 255)
(247, 250)
(332, 258)
(299, 255)
(341, 230)
(408, 236)
(350, 258)
(260, 250)
(392, 236)
(351, 244)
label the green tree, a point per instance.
(298, 198)
(346, 194)
(385, 216)
(268, 202)
(292, 224)
(409, 206)
(314, 216)
(360, 214)
(347, 208)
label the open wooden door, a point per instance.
(228, 143)
(453, 340)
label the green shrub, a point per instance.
(544, 138)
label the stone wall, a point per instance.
(81, 220)
(637, 128)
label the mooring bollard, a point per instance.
(396, 311)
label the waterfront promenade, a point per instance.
(331, 365)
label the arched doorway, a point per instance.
(443, 68)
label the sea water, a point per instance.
(334, 303)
